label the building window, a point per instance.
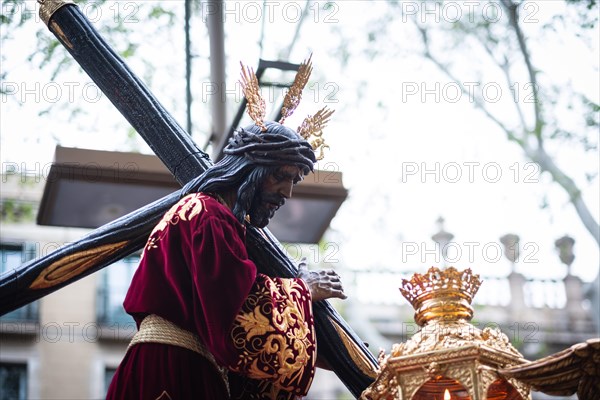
(12, 256)
(108, 375)
(115, 280)
(13, 381)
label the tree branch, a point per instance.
(477, 101)
(505, 68)
(547, 164)
(537, 155)
(512, 10)
(506, 71)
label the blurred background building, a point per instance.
(68, 344)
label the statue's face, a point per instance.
(274, 191)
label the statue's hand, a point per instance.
(323, 284)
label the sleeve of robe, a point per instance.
(257, 326)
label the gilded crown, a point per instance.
(441, 294)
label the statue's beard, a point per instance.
(263, 208)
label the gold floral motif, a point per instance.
(184, 210)
(274, 336)
(255, 323)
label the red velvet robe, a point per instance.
(195, 272)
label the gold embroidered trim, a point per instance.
(155, 329)
(184, 210)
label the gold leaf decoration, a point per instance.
(256, 104)
(312, 127)
(294, 94)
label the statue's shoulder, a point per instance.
(205, 205)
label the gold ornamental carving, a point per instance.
(73, 265)
(49, 7)
(448, 358)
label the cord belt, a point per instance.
(155, 329)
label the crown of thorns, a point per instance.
(272, 149)
(311, 128)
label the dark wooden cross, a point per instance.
(338, 344)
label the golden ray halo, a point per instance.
(294, 94)
(256, 104)
(311, 128)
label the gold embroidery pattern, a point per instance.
(274, 335)
(185, 209)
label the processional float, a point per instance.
(448, 359)
(451, 359)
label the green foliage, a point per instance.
(587, 11)
(128, 27)
(16, 211)
(158, 12)
(116, 21)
